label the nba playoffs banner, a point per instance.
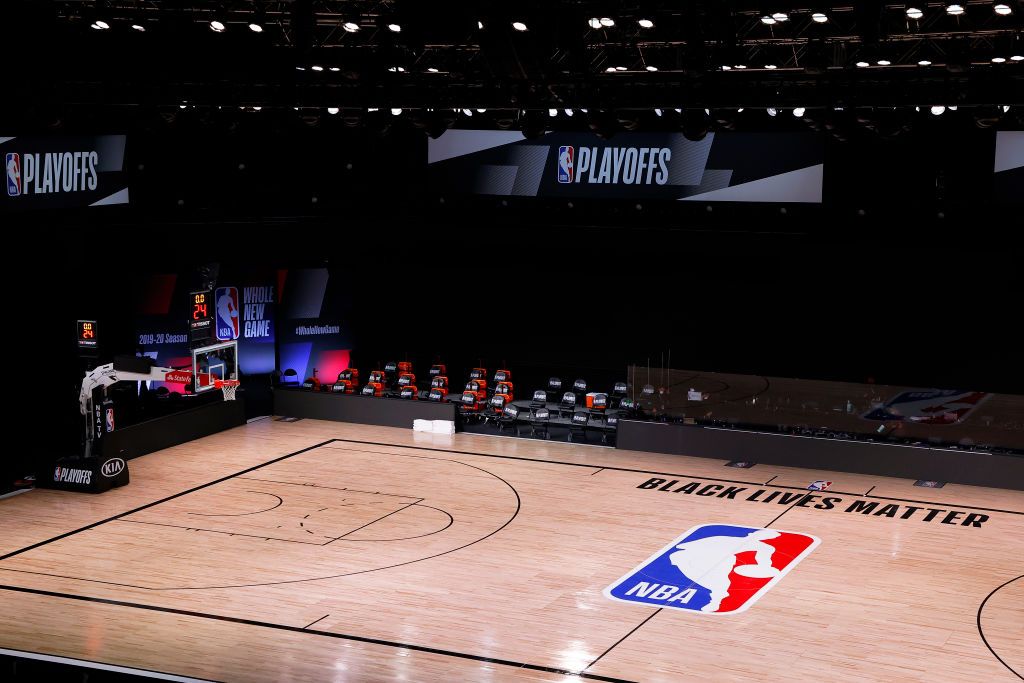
(723, 167)
(314, 330)
(1009, 166)
(62, 172)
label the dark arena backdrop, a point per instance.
(818, 220)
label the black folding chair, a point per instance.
(509, 418)
(578, 425)
(540, 399)
(554, 387)
(539, 423)
(568, 404)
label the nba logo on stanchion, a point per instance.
(565, 164)
(226, 317)
(13, 165)
(714, 569)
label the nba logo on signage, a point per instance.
(13, 164)
(226, 320)
(565, 164)
(714, 569)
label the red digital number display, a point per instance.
(200, 309)
(87, 334)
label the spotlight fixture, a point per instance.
(607, 22)
(216, 26)
(938, 110)
(954, 9)
(431, 69)
(99, 25)
(998, 60)
(569, 112)
(726, 67)
(799, 112)
(300, 68)
(819, 17)
(883, 62)
(395, 28)
(780, 16)
(620, 68)
(255, 28)
(396, 69)
(480, 25)
(332, 110)
(862, 64)
(1017, 58)
(772, 111)
(770, 66)
(645, 23)
(316, 67)
(396, 112)
(139, 27)
(914, 13)
(768, 19)
(741, 66)
(651, 67)
(350, 27)
(519, 26)
(924, 62)
(610, 70)
(467, 112)
(335, 68)
(1002, 9)
(552, 113)
(594, 22)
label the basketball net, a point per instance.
(228, 387)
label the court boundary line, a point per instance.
(981, 631)
(305, 630)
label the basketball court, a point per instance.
(316, 550)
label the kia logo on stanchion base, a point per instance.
(112, 467)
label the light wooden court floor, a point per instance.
(323, 551)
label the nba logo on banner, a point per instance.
(110, 420)
(565, 164)
(226, 320)
(13, 164)
(714, 569)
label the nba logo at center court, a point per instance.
(714, 569)
(226, 316)
(565, 164)
(13, 165)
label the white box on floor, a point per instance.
(422, 426)
(443, 427)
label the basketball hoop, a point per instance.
(228, 387)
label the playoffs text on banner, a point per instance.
(714, 569)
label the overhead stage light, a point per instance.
(217, 26)
(139, 27)
(799, 112)
(607, 22)
(335, 68)
(938, 110)
(819, 17)
(255, 28)
(100, 25)
(768, 19)
(998, 60)
(395, 28)
(316, 67)
(645, 23)
(651, 67)
(519, 26)
(431, 69)
(396, 112)
(552, 113)
(924, 62)
(862, 64)
(332, 110)
(594, 22)
(770, 66)
(883, 62)
(780, 16)
(1002, 9)
(954, 9)
(914, 13)
(350, 26)
(772, 111)
(1017, 58)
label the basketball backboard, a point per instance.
(212, 363)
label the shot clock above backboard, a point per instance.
(200, 320)
(87, 340)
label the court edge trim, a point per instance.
(89, 664)
(981, 632)
(328, 634)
